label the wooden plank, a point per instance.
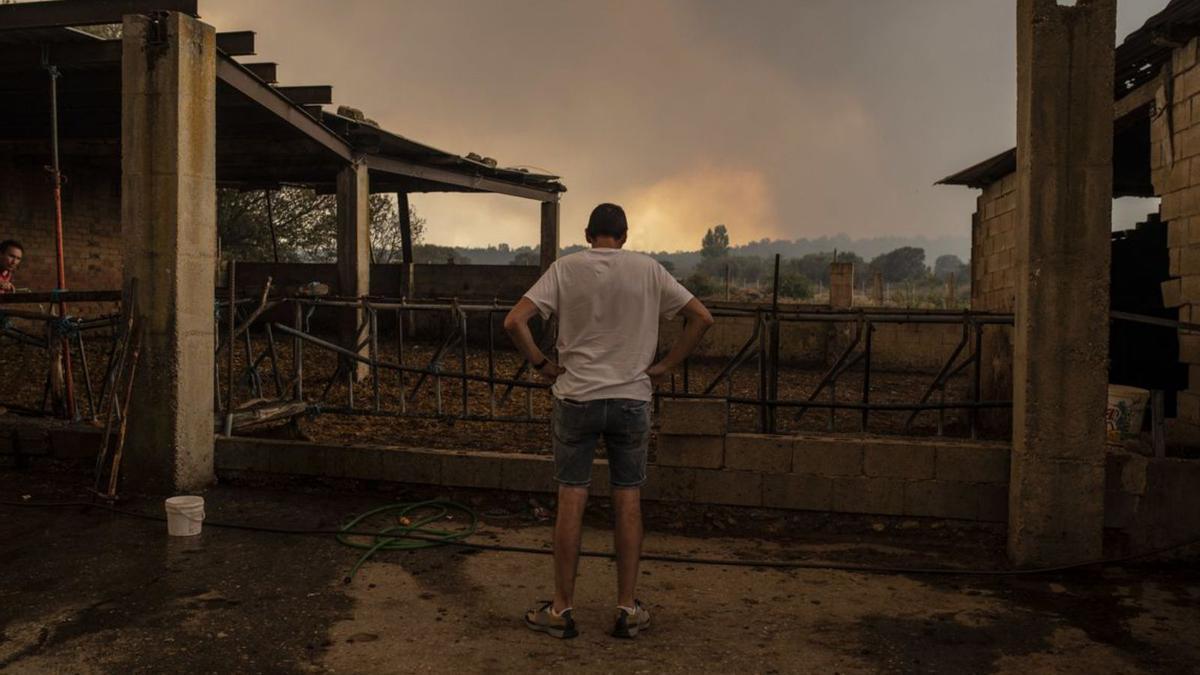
(84, 12)
(308, 95)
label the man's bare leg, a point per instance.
(627, 537)
(568, 534)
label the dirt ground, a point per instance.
(91, 592)
(438, 430)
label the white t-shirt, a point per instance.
(608, 304)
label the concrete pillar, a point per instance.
(1064, 216)
(354, 251)
(168, 220)
(549, 233)
(841, 285)
(951, 290)
(877, 288)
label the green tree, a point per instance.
(715, 243)
(304, 224)
(903, 264)
(527, 256)
(948, 264)
(701, 285)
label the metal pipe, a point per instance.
(55, 169)
(866, 392)
(462, 318)
(373, 329)
(976, 379)
(232, 331)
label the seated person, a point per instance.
(11, 252)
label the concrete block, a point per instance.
(832, 457)
(1173, 261)
(1189, 348)
(759, 452)
(1120, 509)
(795, 491)
(941, 499)
(992, 502)
(1172, 292)
(675, 484)
(884, 496)
(972, 464)
(1188, 402)
(1190, 283)
(234, 454)
(411, 466)
(1126, 472)
(302, 459)
(898, 460)
(74, 443)
(706, 452)
(692, 416)
(724, 486)
(530, 473)
(361, 463)
(474, 470)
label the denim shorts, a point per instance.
(578, 426)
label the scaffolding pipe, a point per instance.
(55, 171)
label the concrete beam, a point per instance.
(354, 249)
(549, 238)
(1064, 217)
(168, 215)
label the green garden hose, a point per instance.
(409, 518)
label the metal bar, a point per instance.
(773, 374)
(298, 353)
(793, 403)
(274, 361)
(400, 359)
(944, 373)
(434, 416)
(462, 317)
(321, 94)
(267, 72)
(834, 371)
(491, 361)
(866, 392)
(976, 379)
(54, 296)
(87, 376)
(762, 378)
(61, 267)
(463, 179)
(434, 360)
(236, 43)
(338, 349)
(232, 330)
(741, 356)
(252, 367)
(373, 329)
(241, 79)
(84, 12)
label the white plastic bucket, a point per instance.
(185, 515)
(1126, 409)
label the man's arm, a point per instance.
(516, 324)
(699, 320)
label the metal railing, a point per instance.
(439, 384)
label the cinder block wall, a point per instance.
(993, 247)
(1175, 172)
(896, 347)
(993, 289)
(92, 246)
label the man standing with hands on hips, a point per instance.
(608, 302)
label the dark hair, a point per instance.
(607, 220)
(10, 242)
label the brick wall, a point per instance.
(91, 223)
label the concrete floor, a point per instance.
(88, 592)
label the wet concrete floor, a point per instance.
(85, 591)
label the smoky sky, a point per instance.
(780, 119)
